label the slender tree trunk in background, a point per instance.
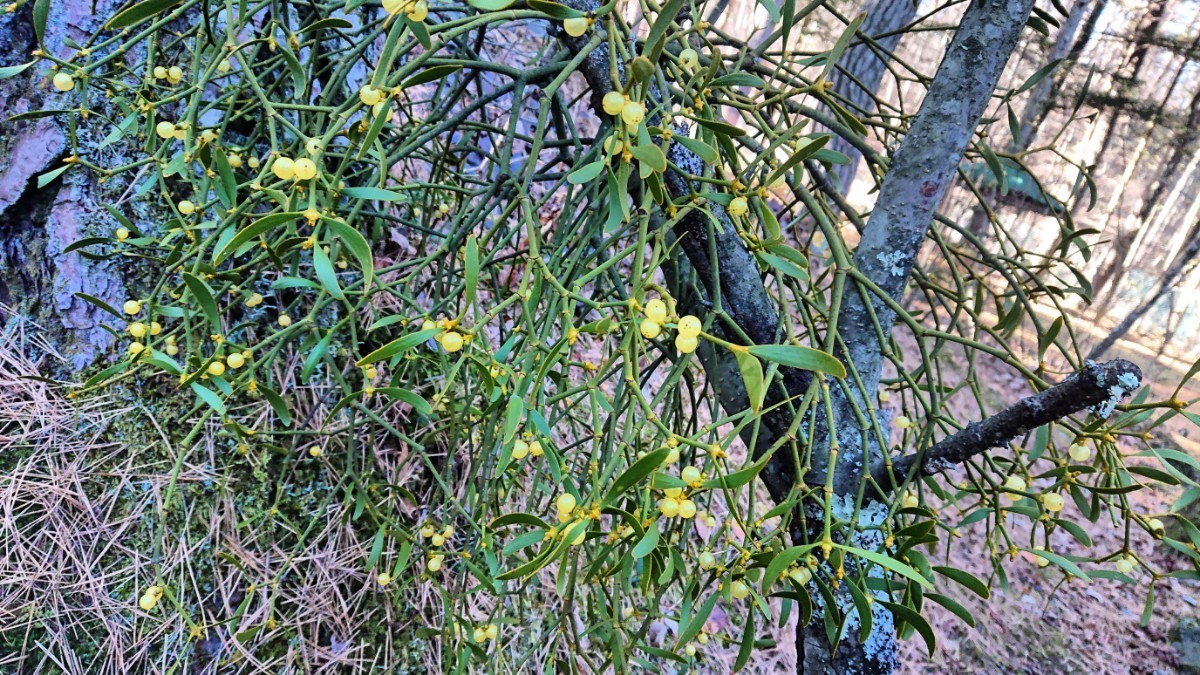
(1174, 274)
(1084, 36)
(1043, 96)
(861, 71)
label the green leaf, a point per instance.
(41, 12)
(204, 296)
(658, 30)
(359, 248)
(1063, 564)
(376, 548)
(373, 193)
(955, 608)
(405, 396)
(12, 71)
(227, 191)
(472, 270)
(752, 376)
(253, 230)
(781, 562)
(840, 46)
(277, 404)
(804, 358)
(996, 167)
(491, 5)
(554, 9)
(783, 265)
(747, 646)
(325, 24)
(704, 151)
(888, 563)
(430, 74)
(140, 12)
(651, 155)
(695, 622)
(721, 128)
(911, 617)
(738, 80)
(398, 346)
(210, 397)
(586, 173)
(91, 299)
(806, 147)
(48, 177)
(647, 542)
(635, 473)
(514, 412)
(325, 272)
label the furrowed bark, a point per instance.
(1099, 385)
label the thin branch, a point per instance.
(1099, 386)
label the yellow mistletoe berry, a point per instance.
(283, 168)
(689, 326)
(687, 509)
(656, 311)
(650, 329)
(224, 66)
(579, 536)
(305, 169)
(690, 475)
(1125, 565)
(1053, 502)
(252, 162)
(479, 635)
(520, 449)
(669, 507)
(452, 341)
(437, 540)
(136, 348)
(688, 58)
(535, 449)
(1039, 560)
(369, 95)
(187, 208)
(686, 345)
(236, 361)
(1080, 452)
(707, 560)
(1156, 526)
(164, 129)
(314, 451)
(419, 11)
(566, 502)
(155, 328)
(739, 589)
(738, 207)
(147, 602)
(613, 103)
(632, 113)
(137, 329)
(235, 160)
(492, 631)
(910, 501)
(427, 531)
(1014, 484)
(172, 350)
(122, 233)
(801, 575)
(254, 300)
(434, 564)
(132, 307)
(383, 579)
(64, 82)
(216, 369)
(576, 26)
(285, 320)
(174, 74)
(160, 73)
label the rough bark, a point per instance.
(36, 279)
(1098, 386)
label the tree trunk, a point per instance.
(861, 70)
(1174, 274)
(37, 280)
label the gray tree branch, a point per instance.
(1098, 386)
